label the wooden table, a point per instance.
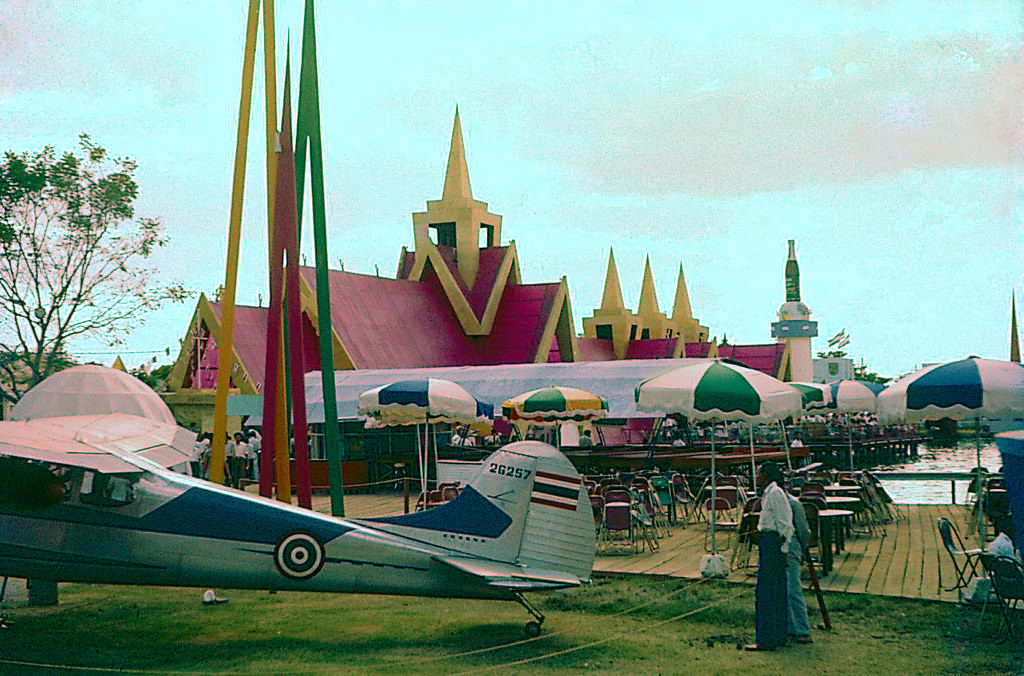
(829, 534)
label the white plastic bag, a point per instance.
(1001, 546)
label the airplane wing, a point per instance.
(110, 444)
(510, 576)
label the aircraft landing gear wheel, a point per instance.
(532, 627)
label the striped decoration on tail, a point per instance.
(556, 490)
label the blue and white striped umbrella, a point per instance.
(963, 389)
(853, 396)
(412, 402)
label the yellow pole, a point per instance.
(227, 326)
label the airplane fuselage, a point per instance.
(160, 528)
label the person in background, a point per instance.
(235, 454)
(799, 627)
(798, 441)
(255, 444)
(775, 531)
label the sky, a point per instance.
(886, 138)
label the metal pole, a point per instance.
(714, 489)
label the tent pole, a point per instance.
(753, 470)
(785, 444)
(714, 489)
(977, 482)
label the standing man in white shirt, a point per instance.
(775, 530)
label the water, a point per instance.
(945, 456)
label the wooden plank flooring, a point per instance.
(905, 558)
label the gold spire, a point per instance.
(612, 297)
(681, 310)
(118, 364)
(1014, 340)
(648, 306)
(456, 177)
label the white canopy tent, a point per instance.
(613, 380)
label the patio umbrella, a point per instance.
(965, 389)
(718, 390)
(852, 396)
(814, 395)
(554, 404)
(422, 402)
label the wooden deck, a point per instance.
(908, 561)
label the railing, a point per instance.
(952, 477)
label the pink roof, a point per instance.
(651, 348)
(250, 339)
(516, 334)
(486, 275)
(397, 323)
(394, 323)
(595, 349)
(491, 259)
(765, 358)
(696, 350)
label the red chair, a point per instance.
(719, 506)
(618, 495)
(682, 495)
(617, 526)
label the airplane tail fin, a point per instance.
(526, 508)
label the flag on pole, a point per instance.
(838, 338)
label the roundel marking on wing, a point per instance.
(299, 556)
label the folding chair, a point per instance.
(1007, 576)
(744, 540)
(616, 525)
(729, 525)
(663, 489)
(682, 496)
(955, 546)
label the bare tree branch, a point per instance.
(71, 254)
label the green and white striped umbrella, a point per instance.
(554, 404)
(815, 395)
(719, 390)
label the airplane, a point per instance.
(90, 499)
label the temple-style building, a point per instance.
(795, 328)
(615, 332)
(458, 299)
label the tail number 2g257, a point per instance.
(508, 470)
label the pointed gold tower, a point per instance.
(457, 222)
(612, 321)
(652, 321)
(1014, 339)
(683, 321)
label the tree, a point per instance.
(72, 258)
(861, 372)
(156, 378)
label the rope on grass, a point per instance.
(525, 641)
(566, 651)
(66, 668)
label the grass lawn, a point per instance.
(614, 626)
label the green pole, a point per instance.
(308, 127)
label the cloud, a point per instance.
(94, 49)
